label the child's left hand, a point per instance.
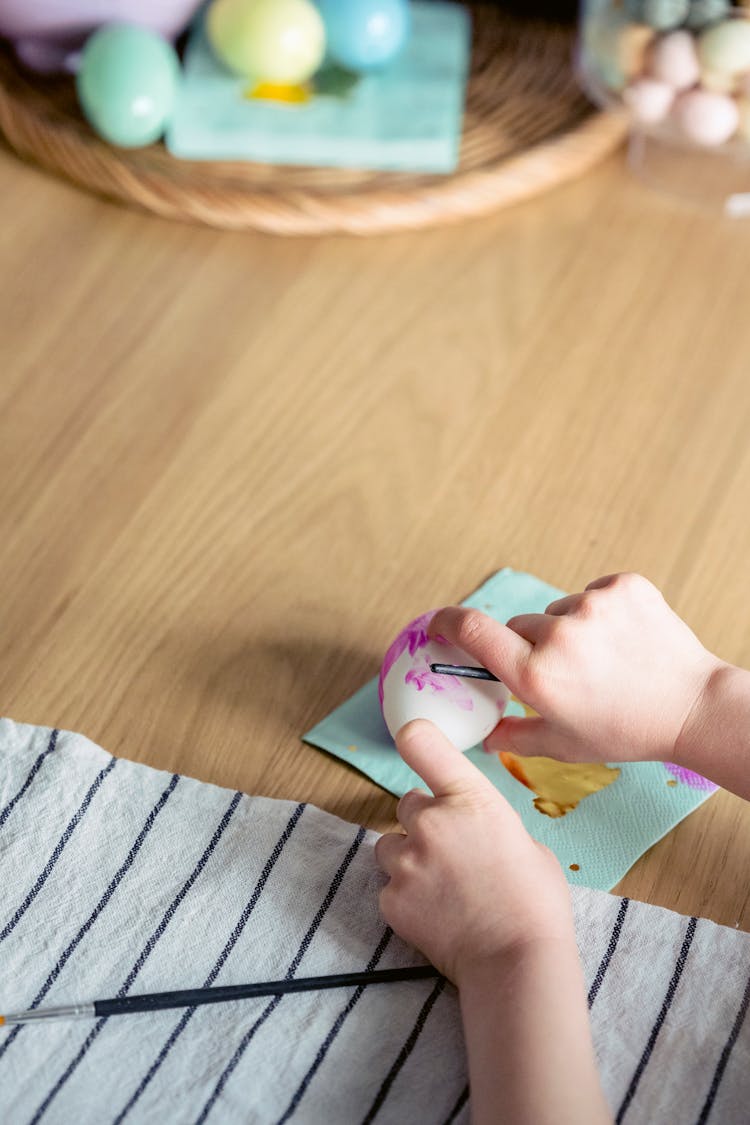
(490, 908)
(468, 885)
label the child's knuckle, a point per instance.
(471, 629)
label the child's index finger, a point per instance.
(447, 771)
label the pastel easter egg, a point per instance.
(127, 84)
(663, 15)
(649, 101)
(465, 710)
(365, 34)
(49, 34)
(673, 59)
(280, 41)
(704, 12)
(706, 118)
(725, 47)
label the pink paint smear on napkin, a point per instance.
(692, 780)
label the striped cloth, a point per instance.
(120, 879)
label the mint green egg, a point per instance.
(127, 84)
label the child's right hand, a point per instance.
(614, 674)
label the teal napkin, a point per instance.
(597, 841)
(406, 117)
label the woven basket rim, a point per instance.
(521, 137)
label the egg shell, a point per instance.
(660, 14)
(365, 34)
(725, 47)
(465, 710)
(649, 101)
(281, 41)
(706, 118)
(673, 59)
(127, 84)
(48, 34)
(705, 12)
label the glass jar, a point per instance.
(680, 69)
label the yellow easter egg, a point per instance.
(279, 41)
(724, 48)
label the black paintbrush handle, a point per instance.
(468, 671)
(190, 997)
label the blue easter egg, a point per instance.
(365, 34)
(127, 84)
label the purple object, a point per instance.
(688, 777)
(48, 34)
(413, 637)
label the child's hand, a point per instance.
(468, 885)
(491, 909)
(613, 673)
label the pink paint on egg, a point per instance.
(707, 118)
(673, 59)
(439, 683)
(410, 639)
(465, 710)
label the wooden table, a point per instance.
(233, 467)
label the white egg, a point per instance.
(466, 710)
(648, 100)
(706, 118)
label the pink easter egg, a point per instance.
(465, 710)
(649, 101)
(706, 118)
(673, 59)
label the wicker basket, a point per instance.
(527, 127)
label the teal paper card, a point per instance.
(406, 117)
(602, 837)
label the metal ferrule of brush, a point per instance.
(69, 1011)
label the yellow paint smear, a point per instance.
(274, 92)
(559, 786)
(2, 1020)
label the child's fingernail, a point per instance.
(441, 640)
(486, 747)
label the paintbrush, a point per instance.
(193, 997)
(468, 671)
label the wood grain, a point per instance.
(233, 466)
